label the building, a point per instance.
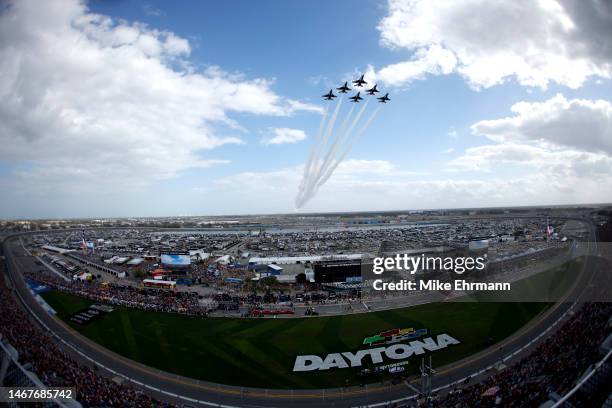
(274, 269)
(57, 250)
(198, 255)
(288, 260)
(224, 260)
(342, 270)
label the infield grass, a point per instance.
(262, 352)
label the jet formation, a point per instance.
(356, 98)
(331, 144)
(329, 96)
(384, 99)
(344, 88)
(372, 90)
(360, 82)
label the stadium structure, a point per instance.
(443, 359)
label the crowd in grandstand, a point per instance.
(56, 368)
(203, 274)
(183, 302)
(127, 296)
(554, 366)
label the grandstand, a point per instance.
(566, 367)
(571, 368)
(14, 374)
(32, 357)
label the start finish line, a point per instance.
(398, 351)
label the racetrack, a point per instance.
(264, 350)
(207, 394)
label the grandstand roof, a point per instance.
(305, 258)
(135, 261)
(57, 249)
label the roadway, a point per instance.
(182, 390)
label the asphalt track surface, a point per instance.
(190, 392)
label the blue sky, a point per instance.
(428, 148)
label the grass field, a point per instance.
(263, 351)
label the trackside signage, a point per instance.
(394, 336)
(392, 350)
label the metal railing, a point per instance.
(589, 384)
(14, 374)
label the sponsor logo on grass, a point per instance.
(93, 312)
(394, 336)
(397, 351)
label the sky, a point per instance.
(151, 108)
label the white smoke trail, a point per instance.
(321, 147)
(335, 144)
(307, 167)
(345, 137)
(329, 173)
(323, 161)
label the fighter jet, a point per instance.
(344, 88)
(356, 98)
(384, 99)
(360, 81)
(372, 90)
(329, 96)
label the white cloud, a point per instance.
(86, 100)
(284, 136)
(569, 163)
(488, 156)
(564, 143)
(360, 191)
(152, 11)
(579, 123)
(551, 152)
(535, 42)
(434, 60)
(348, 168)
(353, 166)
(294, 105)
(319, 80)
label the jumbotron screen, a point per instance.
(175, 260)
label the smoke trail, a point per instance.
(308, 165)
(337, 140)
(323, 159)
(345, 152)
(345, 137)
(322, 144)
(314, 181)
